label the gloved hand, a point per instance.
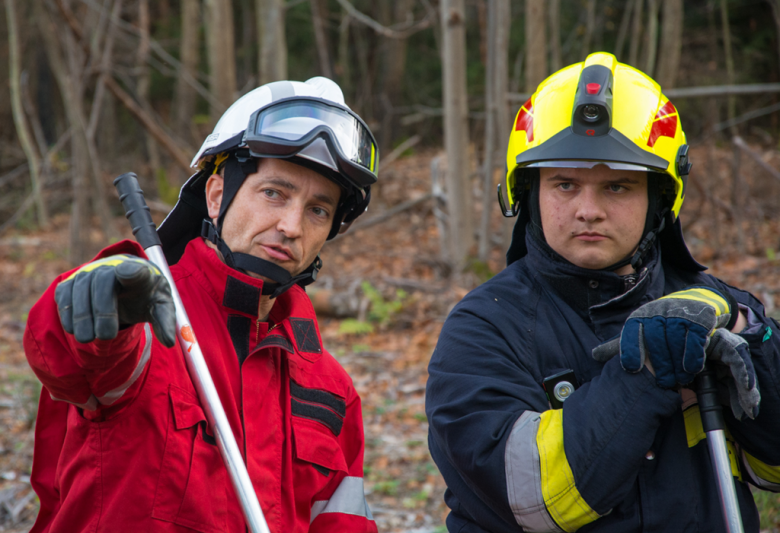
(674, 331)
(119, 290)
(732, 350)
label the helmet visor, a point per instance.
(287, 127)
(589, 164)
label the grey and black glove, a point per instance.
(732, 350)
(115, 291)
(674, 332)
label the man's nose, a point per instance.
(590, 207)
(291, 221)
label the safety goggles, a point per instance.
(290, 127)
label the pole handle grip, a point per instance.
(136, 210)
(707, 394)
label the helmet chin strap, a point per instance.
(282, 279)
(636, 259)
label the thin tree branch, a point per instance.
(398, 151)
(391, 33)
(28, 202)
(145, 118)
(742, 145)
(25, 138)
(157, 48)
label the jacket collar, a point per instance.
(600, 297)
(239, 294)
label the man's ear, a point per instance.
(214, 188)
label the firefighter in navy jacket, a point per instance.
(533, 429)
(122, 442)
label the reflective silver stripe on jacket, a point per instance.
(347, 499)
(90, 405)
(758, 481)
(524, 477)
(113, 395)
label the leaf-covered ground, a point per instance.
(395, 273)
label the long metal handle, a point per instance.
(714, 426)
(138, 213)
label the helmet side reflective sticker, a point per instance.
(525, 120)
(665, 124)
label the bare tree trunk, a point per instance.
(623, 29)
(66, 81)
(590, 26)
(504, 114)
(491, 109)
(319, 16)
(273, 43)
(636, 34)
(456, 129)
(535, 44)
(99, 197)
(556, 60)
(724, 18)
(145, 79)
(188, 52)
(775, 4)
(343, 68)
(392, 84)
(671, 40)
(221, 52)
(651, 37)
(25, 138)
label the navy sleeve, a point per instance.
(760, 437)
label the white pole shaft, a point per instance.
(215, 413)
(716, 441)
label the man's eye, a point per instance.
(616, 188)
(270, 193)
(565, 186)
(320, 212)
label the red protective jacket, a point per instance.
(128, 447)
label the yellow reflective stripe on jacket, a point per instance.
(694, 431)
(113, 260)
(763, 470)
(564, 502)
(702, 295)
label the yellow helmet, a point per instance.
(601, 112)
(597, 111)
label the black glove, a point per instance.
(119, 290)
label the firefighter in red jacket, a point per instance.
(121, 441)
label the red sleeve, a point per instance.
(342, 504)
(87, 375)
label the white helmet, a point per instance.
(235, 120)
(307, 123)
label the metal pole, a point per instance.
(714, 425)
(140, 218)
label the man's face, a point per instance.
(282, 213)
(593, 217)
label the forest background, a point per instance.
(96, 88)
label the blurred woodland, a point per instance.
(101, 87)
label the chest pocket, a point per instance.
(317, 421)
(192, 487)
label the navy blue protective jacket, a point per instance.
(622, 454)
